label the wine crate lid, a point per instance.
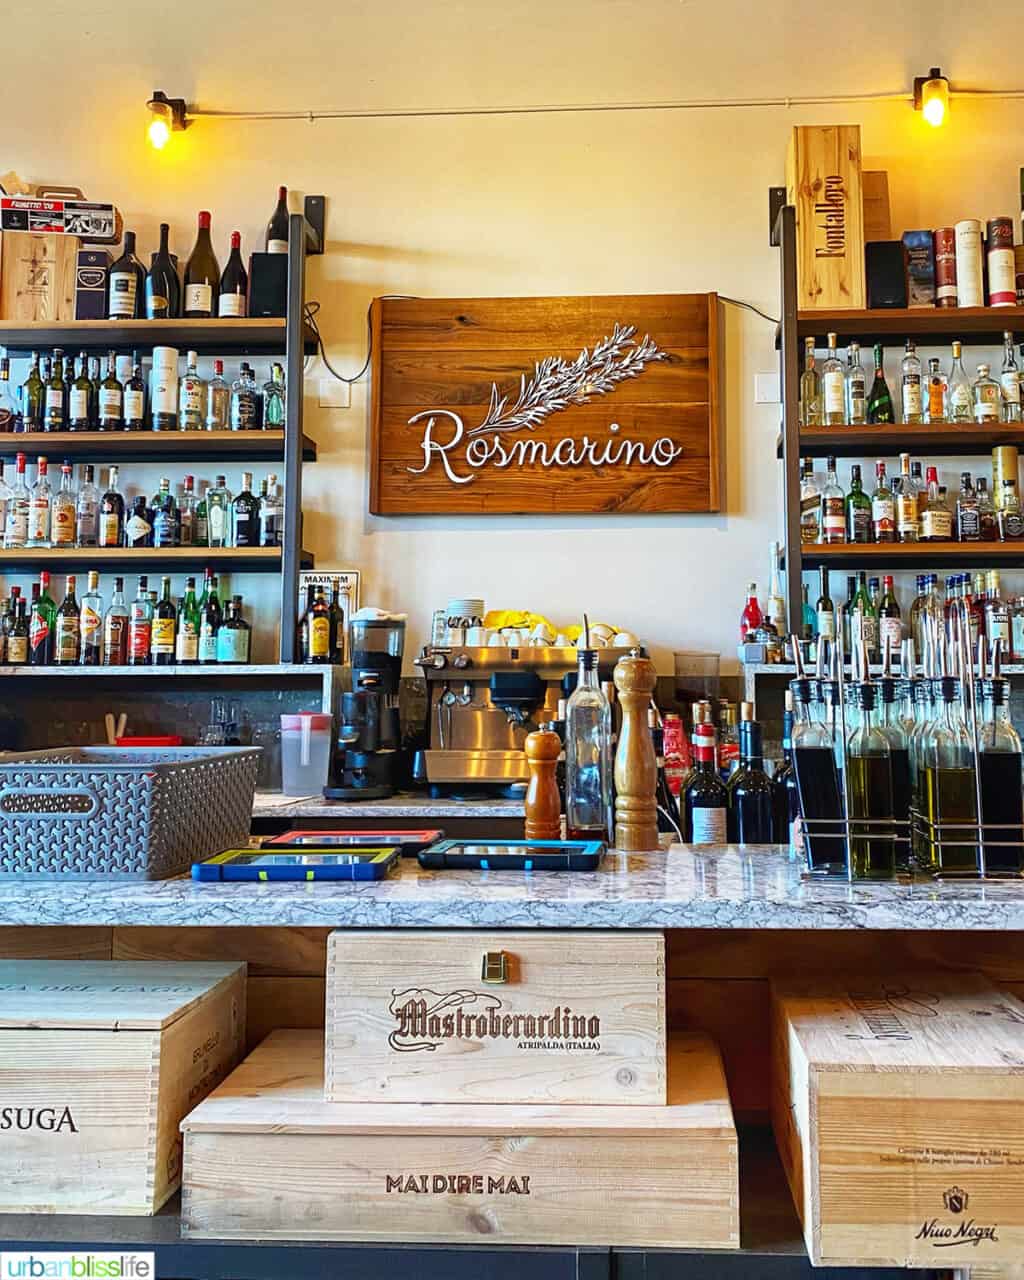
(105, 995)
(919, 1022)
(279, 1088)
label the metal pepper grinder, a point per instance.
(543, 806)
(636, 766)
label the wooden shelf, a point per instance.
(944, 439)
(932, 325)
(897, 556)
(188, 672)
(208, 337)
(147, 559)
(141, 446)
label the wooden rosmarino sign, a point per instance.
(502, 406)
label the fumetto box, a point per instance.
(267, 1156)
(898, 1109)
(496, 1017)
(99, 1061)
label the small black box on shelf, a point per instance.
(268, 284)
(886, 263)
(91, 284)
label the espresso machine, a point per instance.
(365, 765)
(482, 702)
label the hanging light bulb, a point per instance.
(167, 116)
(931, 97)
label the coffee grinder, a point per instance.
(365, 763)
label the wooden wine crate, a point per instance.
(823, 183)
(37, 276)
(557, 1017)
(267, 1156)
(898, 1109)
(99, 1061)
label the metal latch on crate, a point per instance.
(494, 968)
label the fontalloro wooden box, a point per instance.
(464, 1016)
(898, 1108)
(267, 1156)
(824, 184)
(99, 1062)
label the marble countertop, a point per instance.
(271, 804)
(726, 887)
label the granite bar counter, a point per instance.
(727, 887)
(272, 804)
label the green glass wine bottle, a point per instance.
(879, 400)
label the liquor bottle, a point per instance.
(134, 399)
(186, 643)
(162, 635)
(337, 619)
(111, 523)
(856, 386)
(202, 538)
(728, 741)
(1009, 382)
(165, 516)
(273, 400)
(163, 289)
(53, 409)
(947, 790)
(234, 283)
(1011, 524)
(10, 416)
(749, 791)
(976, 600)
(271, 515)
(869, 786)
(210, 619)
(890, 623)
(987, 525)
(824, 609)
(6, 494)
(17, 654)
(33, 397)
(810, 503)
(704, 803)
(879, 400)
(138, 525)
(187, 514)
(864, 620)
(817, 779)
(67, 645)
(218, 399)
(16, 524)
(90, 628)
(318, 648)
(936, 518)
(245, 401)
(997, 616)
(126, 284)
(234, 635)
(115, 628)
(785, 801)
(42, 624)
(218, 514)
(245, 515)
(277, 227)
(858, 509)
(908, 525)
(883, 508)
(1001, 777)
(39, 508)
(808, 619)
(303, 629)
(986, 396)
(910, 384)
(968, 521)
(775, 604)
(163, 389)
(63, 530)
(202, 274)
(833, 387)
(191, 397)
(80, 399)
(833, 508)
(140, 626)
(935, 397)
(111, 398)
(810, 389)
(960, 396)
(751, 618)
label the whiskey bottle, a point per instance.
(908, 524)
(833, 385)
(968, 522)
(987, 523)
(936, 518)
(810, 503)
(858, 509)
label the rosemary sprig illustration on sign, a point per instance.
(556, 384)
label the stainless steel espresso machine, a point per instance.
(365, 765)
(482, 703)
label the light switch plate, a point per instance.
(766, 388)
(333, 394)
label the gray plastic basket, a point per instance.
(128, 812)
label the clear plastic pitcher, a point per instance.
(305, 753)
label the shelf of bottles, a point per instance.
(223, 337)
(982, 325)
(153, 446)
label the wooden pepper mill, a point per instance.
(636, 766)
(543, 806)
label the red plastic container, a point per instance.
(158, 740)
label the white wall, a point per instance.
(532, 204)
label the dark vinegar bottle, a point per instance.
(277, 227)
(202, 274)
(234, 283)
(163, 289)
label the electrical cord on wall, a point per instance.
(312, 308)
(738, 302)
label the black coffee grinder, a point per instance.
(365, 765)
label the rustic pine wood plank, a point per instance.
(267, 951)
(275, 1003)
(55, 942)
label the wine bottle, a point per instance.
(126, 284)
(277, 227)
(163, 289)
(202, 273)
(234, 283)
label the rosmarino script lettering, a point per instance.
(425, 1019)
